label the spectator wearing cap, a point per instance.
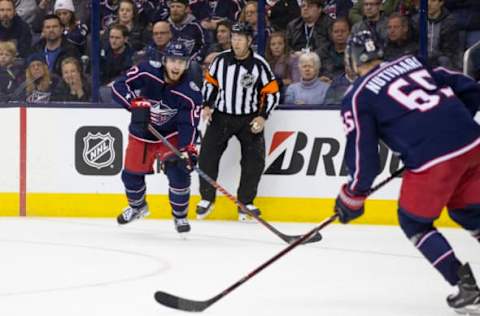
(400, 38)
(310, 89)
(46, 7)
(373, 20)
(187, 30)
(53, 45)
(116, 57)
(310, 30)
(39, 82)
(161, 36)
(74, 31)
(13, 28)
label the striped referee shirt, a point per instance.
(240, 87)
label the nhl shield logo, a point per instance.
(98, 150)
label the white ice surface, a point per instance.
(86, 267)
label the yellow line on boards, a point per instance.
(277, 209)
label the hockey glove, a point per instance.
(348, 205)
(140, 109)
(189, 158)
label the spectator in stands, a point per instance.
(209, 13)
(39, 82)
(13, 28)
(310, 30)
(53, 46)
(337, 88)
(73, 31)
(161, 36)
(443, 37)
(223, 42)
(82, 11)
(249, 15)
(222, 37)
(332, 56)
(282, 12)
(373, 20)
(467, 16)
(336, 9)
(161, 12)
(10, 73)
(356, 13)
(126, 15)
(280, 60)
(74, 87)
(108, 13)
(116, 57)
(186, 29)
(400, 38)
(310, 89)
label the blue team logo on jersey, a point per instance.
(98, 150)
(161, 114)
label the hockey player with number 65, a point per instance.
(426, 116)
(170, 101)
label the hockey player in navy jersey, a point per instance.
(170, 102)
(426, 116)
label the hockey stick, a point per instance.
(287, 238)
(188, 305)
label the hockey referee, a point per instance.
(239, 92)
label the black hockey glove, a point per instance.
(348, 205)
(189, 158)
(140, 109)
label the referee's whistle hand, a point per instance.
(257, 124)
(207, 114)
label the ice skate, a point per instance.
(467, 300)
(181, 225)
(131, 213)
(204, 208)
(245, 217)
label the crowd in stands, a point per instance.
(45, 44)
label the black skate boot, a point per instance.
(245, 217)
(181, 225)
(467, 300)
(130, 214)
(204, 208)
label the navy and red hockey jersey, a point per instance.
(424, 115)
(175, 108)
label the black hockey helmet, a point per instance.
(362, 47)
(242, 28)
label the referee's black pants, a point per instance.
(218, 133)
